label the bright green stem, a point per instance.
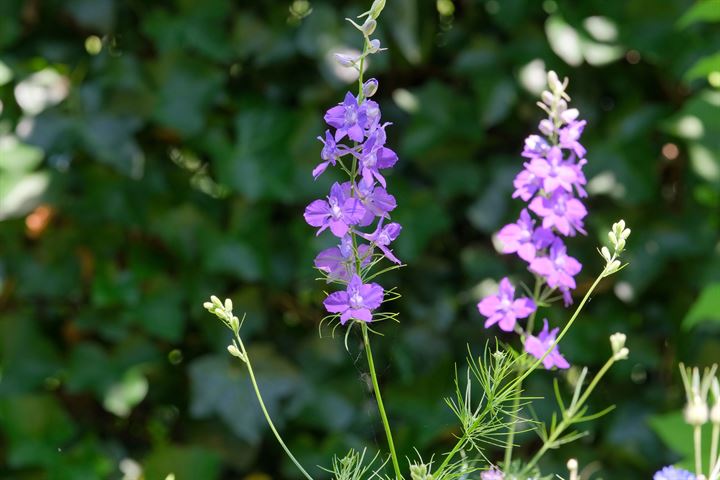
(265, 412)
(511, 435)
(568, 416)
(381, 406)
(458, 446)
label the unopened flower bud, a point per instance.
(696, 412)
(546, 127)
(216, 301)
(370, 87)
(561, 106)
(715, 413)
(374, 46)
(613, 267)
(572, 464)
(209, 306)
(554, 82)
(345, 60)
(376, 8)
(621, 354)
(368, 27)
(605, 252)
(612, 237)
(234, 324)
(234, 351)
(617, 341)
(228, 305)
(547, 97)
(569, 115)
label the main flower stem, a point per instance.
(698, 449)
(265, 412)
(381, 406)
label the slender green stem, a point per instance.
(714, 444)
(697, 436)
(265, 412)
(511, 434)
(381, 406)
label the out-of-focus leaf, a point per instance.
(704, 67)
(705, 309)
(564, 40)
(701, 11)
(404, 28)
(183, 462)
(678, 435)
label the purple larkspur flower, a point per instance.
(493, 474)
(537, 346)
(522, 238)
(347, 118)
(376, 156)
(554, 171)
(535, 146)
(503, 308)
(561, 211)
(570, 137)
(357, 302)
(338, 262)
(329, 154)
(370, 115)
(384, 236)
(526, 185)
(337, 212)
(558, 268)
(376, 200)
(672, 473)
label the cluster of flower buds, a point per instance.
(551, 183)
(617, 236)
(356, 143)
(224, 311)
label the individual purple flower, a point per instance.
(537, 346)
(338, 212)
(493, 474)
(384, 236)
(376, 156)
(672, 473)
(504, 309)
(370, 115)
(570, 135)
(554, 171)
(561, 211)
(558, 268)
(535, 146)
(330, 153)
(338, 262)
(357, 302)
(522, 238)
(376, 200)
(526, 185)
(347, 118)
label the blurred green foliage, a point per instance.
(153, 153)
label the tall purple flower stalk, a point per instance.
(357, 211)
(552, 185)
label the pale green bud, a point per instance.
(374, 46)
(345, 60)
(621, 354)
(235, 352)
(216, 301)
(617, 341)
(234, 324)
(696, 412)
(209, 306)
(605, 252)
(547, 97)
(554, 82)
(368, 27)
(228, 305)
(376, 8)
(370, 87)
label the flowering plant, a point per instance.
(357, 212)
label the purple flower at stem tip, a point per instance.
(504, 309)
(338, 212)
(357, 302)
(537, 346)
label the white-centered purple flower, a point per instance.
(569, 137)
(561, 211)
(504, 309)
(338, 263)
(535, 146)
(537, 346)
(554, 171)
(382, 237)
(338, 212)
(356, 302)
(558, 268)
(376, 156)
(672, 473)
(523, 238)
(526, 185)
(330, 153)
(376, 200)
(348, 119)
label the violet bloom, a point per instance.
(672, 473)
(561, 211)
(338, 262)
(522, 238)
(503, 309)
(537, 346)
(535, 146)
(375, 156)
(554, 171)
(338, 212)
(357, 302)
(384, 236)
(330, 153)
(370, 116)
(347, 118)
(570, 135)
(376, 200)
(526, 185)
(493, 474)
(558, 268)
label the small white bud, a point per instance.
(561, 106)
(376, 8)
(617, 341)
(228, 305)
(374, 46)
(215, 300)
(209, 306)
(621, 354)
(234, 324)
(547, 97)
(234, 351)
(612, 237)
(715, 413)
(625, 234)
(345, 60)
(614, 266)
(368, 27)
(546, 127)
(605, 254)
(370, 87)
(554, 81)
(569, 115)
(696, 412)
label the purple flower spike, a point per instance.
(521, 237)
(384, 236)
(672, 473)
(338, 212)
(555, 172)
(503, 309)
(357, 302)
(537, 346)
(338, 262)
(347, 119)
(558, 268)
(560, 211)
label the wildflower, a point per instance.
(493, 474)
(383, 236)
(554, 171)
(522, 238)
(338, 262)
(376, 200)
(346, 118)
(376, 156)
(558, 267)
(535, 146)
(338, 212)
(672, 473)
(537, 346)
(560, 211)
(330, 153)
(526, 185)
(504, 309)
(570, 136)
(357, 302)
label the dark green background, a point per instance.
(179, 166)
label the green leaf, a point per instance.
(704, 67)
(185, 463)
(123, 396)
(705, 309)
(702, 11)
(678, 436)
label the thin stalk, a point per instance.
(714, 444)
(511, 435)
(381, 406)
(536, 296)
(697, 437)
(265, 412)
